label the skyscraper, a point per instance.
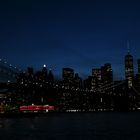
(44, 72)
(129, 69)
(107, 73)
(77, 81)
(50, 76)
(96, 73)
(67, 74)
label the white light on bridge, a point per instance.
(101, 100)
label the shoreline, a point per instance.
(36, 114)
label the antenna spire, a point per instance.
(128, 46)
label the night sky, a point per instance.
(81, 34)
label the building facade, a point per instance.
(129, 69)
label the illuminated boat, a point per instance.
(36, 108)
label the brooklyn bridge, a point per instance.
(8, 72)
(25, 88)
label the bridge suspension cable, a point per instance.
(135, 90)
(106, 88)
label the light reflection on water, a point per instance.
(75, 126)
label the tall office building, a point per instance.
(44, 69)
(67, 74)
(77, 81)
(50, 76)
(30, 71)
(96, 78)
(44, 72)
(106, 73)
(96, 73)
(129, 69)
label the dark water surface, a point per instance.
(73, 126)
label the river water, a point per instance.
(73, 126)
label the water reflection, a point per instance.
(80, 126)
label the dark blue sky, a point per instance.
(82, 34)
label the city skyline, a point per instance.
(129, 69)
(58, 74)
(78, 34)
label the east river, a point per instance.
(73, 126)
